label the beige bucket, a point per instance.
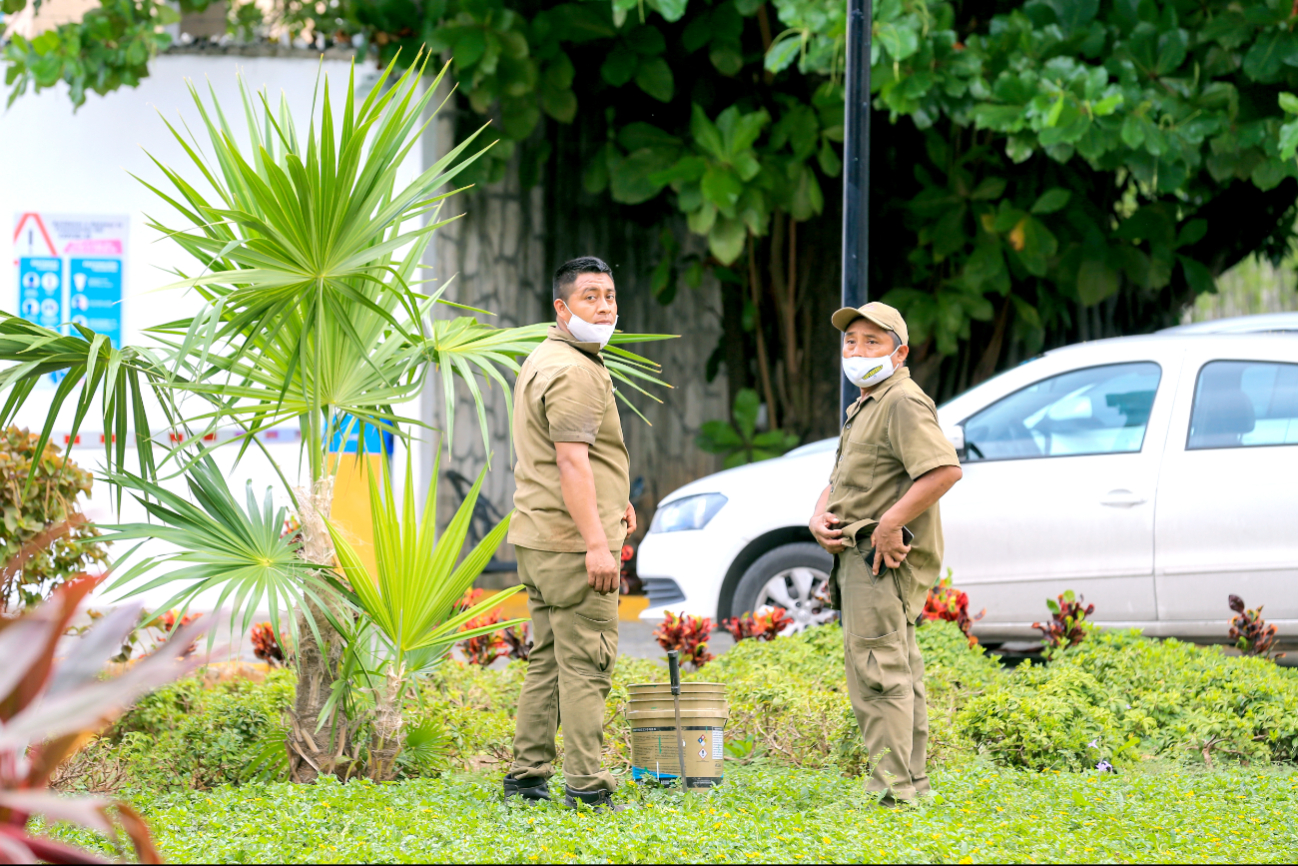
(654, 744)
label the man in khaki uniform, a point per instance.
(571, 518)
(879, 515)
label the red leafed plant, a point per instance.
(760, 626)
(1068, 624)
(49, 704)
(167, 622)
(266, 645)
(945, 602)
(484, 649)
(688, 635)
(1252, 635)
(520, 644)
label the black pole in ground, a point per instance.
(856, 171)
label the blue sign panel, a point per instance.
(378, 436)
(96, 299)
(40, 290)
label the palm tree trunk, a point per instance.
(388, 728)
(316, 748)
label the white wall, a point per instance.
(55, 160)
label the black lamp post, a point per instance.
(856, 170)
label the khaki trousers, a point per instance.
(885, 673)
(569, 671)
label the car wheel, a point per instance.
(792, 577)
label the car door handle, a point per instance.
(1122, 499)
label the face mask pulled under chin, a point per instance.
(868, 372)
(588, 332)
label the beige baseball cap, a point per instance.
(884, 316)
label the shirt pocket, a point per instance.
(858, 464)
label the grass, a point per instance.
(762, 813)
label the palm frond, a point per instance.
(411, 598)
(238, 551)
(122, 378)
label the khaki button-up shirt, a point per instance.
(564, 394)
(891, 437)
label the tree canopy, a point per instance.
(1042, 171)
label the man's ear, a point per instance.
(560, 307)
(903, 352)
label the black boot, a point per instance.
(600, 801)
(533, 789)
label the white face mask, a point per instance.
(587, 332)
(868, 372)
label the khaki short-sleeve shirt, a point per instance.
(891, 437)
(565, 394)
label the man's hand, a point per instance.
(629, 518)
(602, 571)
(888, 546)
(827, 536)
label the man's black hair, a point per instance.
(567, 273)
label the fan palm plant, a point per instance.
(409, 603)
(307, 249)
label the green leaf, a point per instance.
(1039, 245)
(718, 437)
(705, 134)
(900, 41)
(686, 170)
(1197, 276)
(745, 409)
(1288, 140)
(595, 178)
(1172, 47)
(654, 77)
(637, 135)
(1107, 105)
(632, 181)
(1051, 200)
(1191, 233)
(619, 67)
(671, 10)
(726, 239)
(647, 40)
(1096, 280)
(721, 186)
(783, 52)
(1289, 103)
(990, 188)
(727, 58)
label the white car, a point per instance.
(1154, 475)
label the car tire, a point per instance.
(802, 568)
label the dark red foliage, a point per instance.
(1068, 621)
(945, 602)
(688, 635)
(266, 645)
(167, 622)
(762, 626)
(520, 644)
(483, 649)
(631, 582)
(1252, 635)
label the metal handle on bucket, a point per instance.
(674, 669)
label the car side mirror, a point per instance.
(956, 437)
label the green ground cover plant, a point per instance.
(763, 813)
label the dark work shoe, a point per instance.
(531, 788)
(600, 801)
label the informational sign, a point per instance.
(70, 269)
(96, 296)
(40, 290)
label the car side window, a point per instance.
(1098, 410)
(1241, 404)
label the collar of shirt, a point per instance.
(557, 333)
(900, 375)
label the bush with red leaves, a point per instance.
(945, 602)
(520, 644)
(1068, 625)
(266, 645)
(1252, 635)
(483, 649)
(689, 636)
(167, 622)
(761, 626)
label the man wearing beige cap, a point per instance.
(879, 516)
